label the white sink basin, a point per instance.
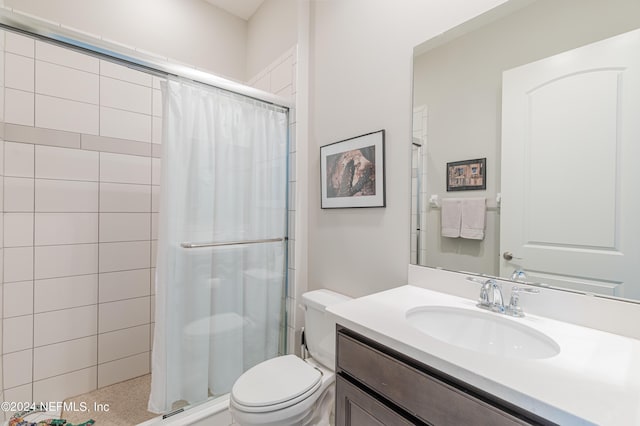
(482, 332)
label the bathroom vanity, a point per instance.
(393, 370)
(375, 383)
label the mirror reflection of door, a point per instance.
(570, 143)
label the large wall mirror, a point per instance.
(548, 92)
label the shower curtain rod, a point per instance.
(130, 57)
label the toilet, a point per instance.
(288, 390)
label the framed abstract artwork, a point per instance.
(352, 172)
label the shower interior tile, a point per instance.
(19, 44)
(65, 163)
(18, 394)
(19, 72)
(115, 145)
(19, 159)
(124, 285)
(154, 253)
(124, 256)
(17, 368)
(117, 227)
(67, 83)
(34, 135)
(156, 171)
(17, 333)
(121, 124)
(66, 57)
(152, 284)
(61, 358)
(18, 264)
(59, 388)
(64, 293)
(125, 96)
(19, 107)
(154, 225)
(2, 145)
(118, 197)
(66, 228)
(18, 229)
(156, 136)
(155, 198)
(67, 115)
(157, 103)
(64, 325)
(17, 299)
(66, 196)
(120, 72)
(119, 168)
(123, 343)
(65, 260)
(123, 314)
(123, 369)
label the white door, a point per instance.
(570, 212)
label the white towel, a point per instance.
(451, 214)
(473, 218)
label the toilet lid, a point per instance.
(275, 381)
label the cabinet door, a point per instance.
(356, 408)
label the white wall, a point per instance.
(360, 81)
(187, 31)
(271, 31)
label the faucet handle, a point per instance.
(483, 299)
(514, 309)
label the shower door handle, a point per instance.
(188, 245)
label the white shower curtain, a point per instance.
(218, 309)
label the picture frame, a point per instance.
(352, 172)
(467, 175)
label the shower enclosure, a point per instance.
(222, 242)
(97, 205)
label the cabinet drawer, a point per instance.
(356, 408)
(413, 390)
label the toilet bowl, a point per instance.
(288, 390)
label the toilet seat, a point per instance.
(275, 384)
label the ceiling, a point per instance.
(240, 8)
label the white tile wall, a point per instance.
(124, 256)
(65, 114)
(17, 333)
(59, 388)
(64, 293)
(16, 297)
(19, 106)
(119, 168)
(123, 314)
(123, 369)
(123, 343)
(18, 229)
(18, 194)
(65, 228)
(62, 163)
(116, 227)
(18, 72)
(120, 72)
(66, 260)
(16, 43)
(67, 324)
(61, 358)
(68, 83)
(19, 159)
(69, 58)
(66, 196)
(115, 197)
(124, 95)
(18, 264)
(117, 123)
(17, 368)
(124, 285)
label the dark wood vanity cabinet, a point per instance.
(376, 385)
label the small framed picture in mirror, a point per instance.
(352, 172)
(467, 175)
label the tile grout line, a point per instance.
(33, 238)
(98, 222)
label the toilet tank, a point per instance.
(319, 326)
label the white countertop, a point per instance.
(595, 379)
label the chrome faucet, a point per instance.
(514, 309)
(490, 295)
